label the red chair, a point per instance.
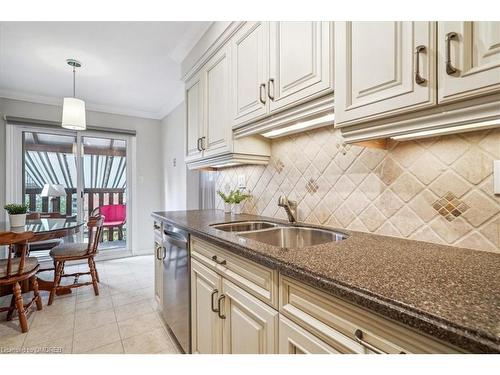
(115, 215)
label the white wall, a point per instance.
(148, 176)
(180, 186)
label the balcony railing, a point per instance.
(92, 198)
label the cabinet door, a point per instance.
(249, 60)
(473, 68)
(376, 69)
(294, 339)
(206, 327)
(194, 118)
(250, 326)
(300, 61)
(218, 132)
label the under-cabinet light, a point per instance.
(320, 121)
(449, 130)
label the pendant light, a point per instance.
(73, 116)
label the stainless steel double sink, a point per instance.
(281, 235)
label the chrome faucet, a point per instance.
(290, 208)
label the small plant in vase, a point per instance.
(227, 198)
(17, 214)
(238, 197)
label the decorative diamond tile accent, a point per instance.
(450, 207)
(413, 189)
(278, 165)
(311, 186)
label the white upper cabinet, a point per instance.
(300, 62)
(383, 68)
(194, 118)
(249, 50)
(218, 135)
(468, 59)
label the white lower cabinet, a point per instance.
(206, 326)
(226, 319)
(293, 339)
(234, 311)
(249, 325)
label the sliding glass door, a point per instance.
(105, 186)
(78, 174)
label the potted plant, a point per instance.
(238, 196)
(17, 214)
(227, 201)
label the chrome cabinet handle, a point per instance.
(157, 252)
(450, 69)
(215, 310)
(198, 145)
(418, 78)
(164, 252)
(262, 86)
(219, 300)
(358, 334)
(221, 262)
(203, 143)
(271, 80)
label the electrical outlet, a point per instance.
(241, 181)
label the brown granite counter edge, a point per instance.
(447, 331)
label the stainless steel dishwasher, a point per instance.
(177, 284)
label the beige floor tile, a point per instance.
(95, 338)
(133, 296)
(113, 348)
(131, 310)
(47, 330)
(61, 305)
(85, 320)
(11, 338)
(139, 325)
(57, 345)
(156, 341)
(98, 303)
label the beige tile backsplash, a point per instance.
(436, 189)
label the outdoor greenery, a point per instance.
(234, 196)
(16, 209)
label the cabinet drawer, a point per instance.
(294, 339)
(258, 280)
(335, 321)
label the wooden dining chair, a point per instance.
(78, 251)
(14, 271)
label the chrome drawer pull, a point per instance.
(271, 81)
(450, 69)
(418, 78)
(221, 262)
(215, 310)
(358, 334)
(219, 300)
(262, 86)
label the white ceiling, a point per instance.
(130, 68)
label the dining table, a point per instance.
(43, 229)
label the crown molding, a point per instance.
(57, 101)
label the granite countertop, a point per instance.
(450, 293)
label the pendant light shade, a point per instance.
(73, 114)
